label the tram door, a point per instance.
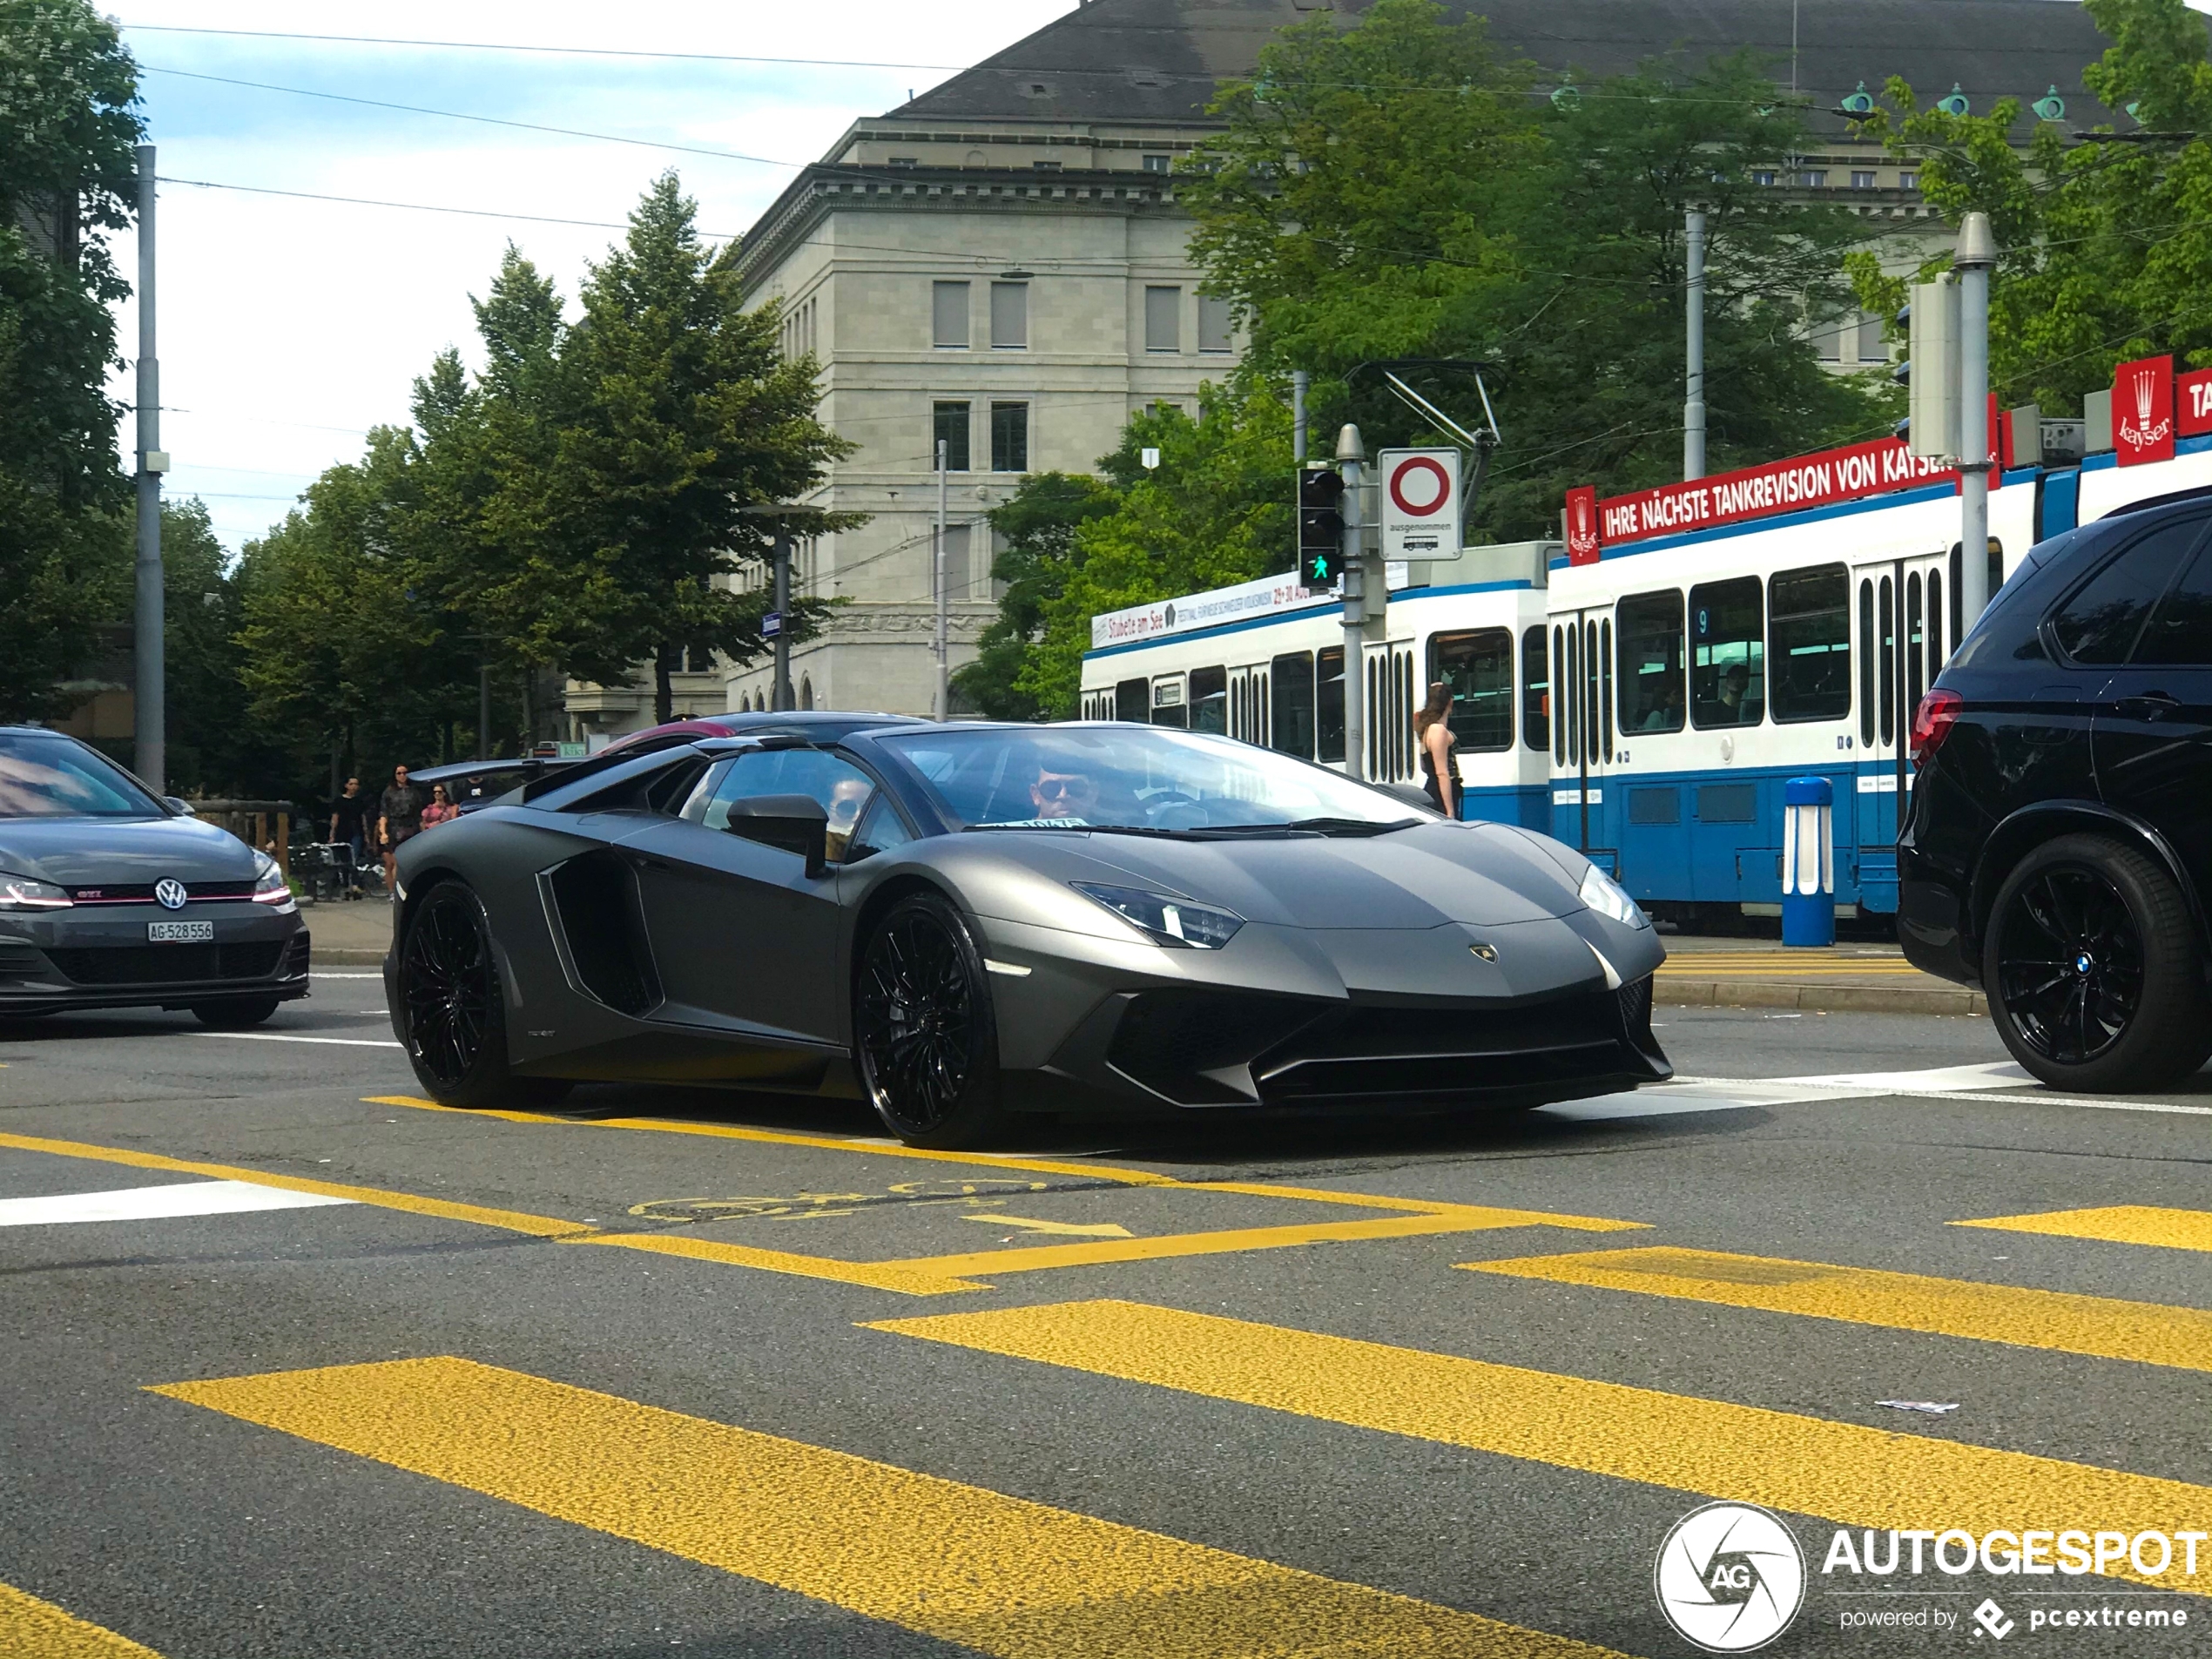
(1583, 735)
(1248, 705)
(1906, 626)
(1392, 700)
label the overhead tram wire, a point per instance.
(417, 207)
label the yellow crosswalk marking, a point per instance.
(1852, 1474)
(2120, 1224)
(2092, 1325)
(30, 1628)
(1000, 1575)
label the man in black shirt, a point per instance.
(399, 817)
(349, 827)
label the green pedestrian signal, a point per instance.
(1320, 526)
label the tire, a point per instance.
(453, 1010)
(925, 1036)
(234, 1017)
(2093, 970)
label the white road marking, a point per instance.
(281, 1037)
(2002, 1073)
(324, 973)
(1970, 1084)
(158, 1203)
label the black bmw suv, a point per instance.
(2058, 851)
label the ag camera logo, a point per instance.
(1729, 1577)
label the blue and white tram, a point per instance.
(1278, 680)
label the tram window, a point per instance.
(1328, 703)
(1589, 691)
(1605, 691)
(1478, 667)
(1559, 726)
(1168, 707)
(1210, 699)
(1293, 705)
(1809, 643)
(1728, 653)
(1571, 675)
(1935, 624)
(1889, 663)
(1133, 700)
(1865, 663)
(1535, 690)
(1651, 667)
(1914, 643)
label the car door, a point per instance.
(2150, 729)
(741, 933)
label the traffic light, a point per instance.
(1930, 372)
(1320, 526)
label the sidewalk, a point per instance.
(354, 933)
(1848, 978)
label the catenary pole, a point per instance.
(937, 587)
(1976, 251)
(483, 711)
(1351, 455)
(781, 697)
(1693, 408)
(1299, 380)
(150, 721)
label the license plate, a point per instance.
(181, 932)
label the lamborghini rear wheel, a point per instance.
(925, 1038)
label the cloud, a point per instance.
(290, 326)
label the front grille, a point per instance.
(142, 892)
(166, 964)
(19, 961)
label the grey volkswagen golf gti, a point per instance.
(110, 897)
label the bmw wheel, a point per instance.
(925, 1037)
(2095, 975)
(452, 1012)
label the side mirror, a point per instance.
(179, 805)
(796, 823)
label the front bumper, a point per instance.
(102, 959)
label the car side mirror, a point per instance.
(796, 823)
(179, 805)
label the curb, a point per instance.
(340, 956)
(1825, 999)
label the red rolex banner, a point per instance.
(2142, 411)
(2192, 403)
(1789, 485)
(1582, 525)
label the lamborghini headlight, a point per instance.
(1606, 896)
(1166, 921)
(22, 893)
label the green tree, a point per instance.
(67, 125)
(1039, 522)
(679, 413)
(2105, 248)
(216, 746)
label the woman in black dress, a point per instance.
(1439, 746)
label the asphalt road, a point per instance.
(1201, 1390)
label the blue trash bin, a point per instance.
(1808, 862)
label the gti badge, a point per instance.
(169, 894)
(1488, 953)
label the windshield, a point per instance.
(1134, 778)
(51, 777)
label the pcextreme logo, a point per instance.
(1729, 1577)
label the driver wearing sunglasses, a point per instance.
(1061, 794)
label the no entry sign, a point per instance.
(1420, 503)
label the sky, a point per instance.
(288, 327)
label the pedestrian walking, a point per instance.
(440, 809)
(349, 829)
(1439, 749)
(399, 819)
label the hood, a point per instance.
(119, 852)
(1418, 878)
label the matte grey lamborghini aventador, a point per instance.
(960, 921)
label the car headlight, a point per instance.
(269, 885)
(1606, 896)
(1166, 921)
(21, 892)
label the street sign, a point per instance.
(1420, 503)
(771, 625)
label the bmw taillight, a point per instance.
(1931, 723)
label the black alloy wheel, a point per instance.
(450, 1010)
(2094, 968)
(925, 1037)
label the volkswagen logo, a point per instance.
(1729, 1577)
(169, 894)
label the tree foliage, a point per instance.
(2105, 248)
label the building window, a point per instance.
(1814, 179)
(948, 315)
(1010, 316)
(1909, 179)
(1762, 176)
(1163, 319)
(904, 161)
(956, 571)
(1009, 437)
(1046, 166)
(1862, 179)
(1828, 342)
(1155, 163)
(950, 428)
(1213, 323)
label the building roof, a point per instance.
(1159, 60)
